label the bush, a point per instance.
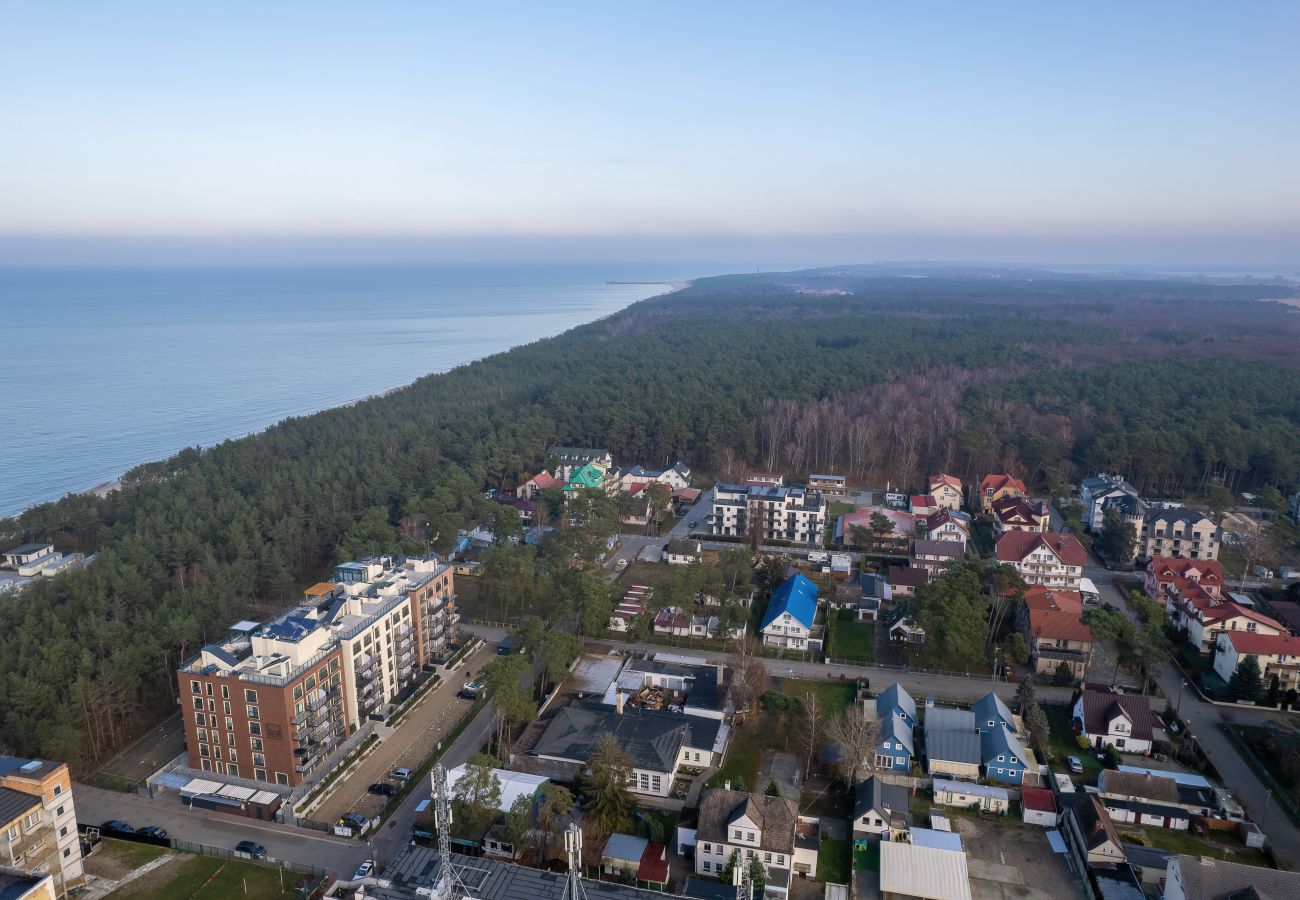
(1083, 742)
(776, 702)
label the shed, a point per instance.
(623, 854)
(984, 796)
(1038, 806)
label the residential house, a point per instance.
(1179, 532)
(1020, 514)
(26, 554)
(1109, 719)
(1048, 559)
(922, 505)
(1093, 492)
(788, 514)
(764, 479)
(946, 490)
(658, 742)
(590, 477)
(896, 700)
(880, 810)
(934, 555)
(38, 822)
(876, 591)
(754, 825)
(1278, 656)
(1038, 807)
(1057, 638)
(791, 616)
(542, 481)
(904, 580)
(996, 486)
(1203, 878)
(1153, 798)
(678, 477)
(631, 606)
(1168, 579)
(1041, 597)
(1090, 830)
(972, 796)
(830, 485)
(1004, 756)
(682, 552)
(634, 506)
(565, 461)
(676, 622)
(894, 750)
(1204, 618)
(948, 525)
(952, 743)
(513, 786)
(903, 629)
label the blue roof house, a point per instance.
(791, 616)
(1005, 757)
(991, 714)
(894, 752)
(896, 699)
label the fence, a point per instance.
(910, 670)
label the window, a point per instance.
(67, 851)
(208, 688)
(259, 774)
(751, 836)
(207, 766)
(780, 859)
(200, 719)
(225, 707)
(706, 867)
(259, 759)
(58, 789)
(250, 696)
(12, 834)
(254, 713)
(230, 739)
(767, 858)
(225, 692)
(255, 728)
(33, 820)
(256, 743)
(58, 812)
(1002, 757)
(195, 688)
(706, 848)
(739, 835)
(281, 778)
(233, 757)
(203, 749)
(230, 724)
(63, 832)
(212, 705)
(198, 702)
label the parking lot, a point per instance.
(407, 747)
(1009, 859)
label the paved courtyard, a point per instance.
(407, 746)
(1009, 859)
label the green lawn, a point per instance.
(834, 861)
(1062, 743)
(744, 756)
(868, 858)
(1230, 848)
(210, 878)
(839, 509)
(851, 639)
(128, 854)
(834, 695)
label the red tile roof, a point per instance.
(997, 482)
(1228, 610)
(544, 479)
(1100, 707)
(1014, 546)
(1179, 571)
(924, 500)
(951, 480)
(1038, 798)
(943, 517)
(1040, 596)
(1061, 626)
(1252, 642)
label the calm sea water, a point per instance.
(104, 369)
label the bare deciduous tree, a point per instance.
(749, 678)
(856, 736)
(811, 725)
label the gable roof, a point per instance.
(796, 596)
(941, 549)
(1254, 643)
(874, 795)
(545, 479)
(1139, 784)
(1101, 707)
(652, 739)
(1040, 799)
(924, 501)
(943, 478)
(954, 746)
(941, 518)
(775, 817)
(1058, 625)
(990, 707)
(1014, 546)
(896, 730)
(1002, 741)
(908, 576)
(999, 481)
(1040, 596)
(1179, 514)
(1020, 509)
(1211, 879)
(1095, 823)
(896, 697)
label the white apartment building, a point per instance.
(1178, 532)
(780, 513)
(1055, 560)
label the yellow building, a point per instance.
(38, 822)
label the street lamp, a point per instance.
(1178, 707)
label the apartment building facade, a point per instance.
(38, 821)
(1055, 560)
(1179, 533)
(273, 701)
(790, 514)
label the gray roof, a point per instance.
(874, 795)
(1208, 879)
(625, 847)
(1178, 514)
(14, 804)
(489, 879)
(26, 768)
(1125, 504)
(24, 549)
(941, 549)
(1148, 857)
(946, 718)
(954, 746)
(775, 817)
(652, 739)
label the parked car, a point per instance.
(355, 821)
(692, 523)
(400, 774)
(471, 689)
(152, 831)
(252, 848)
(364, 870)
(1076, 765)
(382, 789)
(115, 825)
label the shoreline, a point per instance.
(104, 488)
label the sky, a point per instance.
(1153, 133)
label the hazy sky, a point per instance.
(1130, 132)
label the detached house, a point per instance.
(1192, 592)
(1048, 559)
(1020, 514)
(1178, 532)
(1055, 638)
(922, 505)
(1278, 656)
(934, 555)
(1094, 492)
(1122, 721)
(757, 827)
(994, 487)
(678, 477)
(946, 490)
(948, 525)
(791, 616)
(880, 810)
(567, 460)
(539, 482)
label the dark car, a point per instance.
(382, 789)
(152, 831)
(116, 825)
(355, 820)
(252, 848)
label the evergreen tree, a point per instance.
(1246, 682)
(609, 803)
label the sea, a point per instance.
(104, 369)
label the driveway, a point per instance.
(407, 746)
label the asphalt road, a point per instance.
(300, 845)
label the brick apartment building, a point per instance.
(272, 701)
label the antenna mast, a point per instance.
(740, 878)
(447, 887)
(573, 848)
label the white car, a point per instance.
(1076, 765)
(364, 870)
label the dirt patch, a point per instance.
(1010, 860)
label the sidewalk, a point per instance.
(406, 746)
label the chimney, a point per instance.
(618, 701)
